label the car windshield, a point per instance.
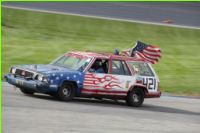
(74, 62)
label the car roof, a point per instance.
(105, 55)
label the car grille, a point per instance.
(24, 73)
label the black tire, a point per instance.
(66, 92)
(135, 97)
(27, 91)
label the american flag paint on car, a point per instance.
(91, 75)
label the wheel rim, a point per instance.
(136, 98)
(66, 92)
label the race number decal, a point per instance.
(150, 83)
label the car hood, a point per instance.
(45, 69)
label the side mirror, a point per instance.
(91, 70)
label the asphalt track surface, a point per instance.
(44, 114)
(172, 13)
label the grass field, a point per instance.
(33, 37)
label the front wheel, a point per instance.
(26, 91)
(135, 97)
(66, 92)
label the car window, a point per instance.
(68, 61)
(141, 68)
(126, 70)
(72, 62)
(119, 68)
(99, 66)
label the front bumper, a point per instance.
(34, 85)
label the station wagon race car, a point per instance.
(91, 75)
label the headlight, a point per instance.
(45, 79)
(40, 77)
(13, 70)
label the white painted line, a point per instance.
(100, 17)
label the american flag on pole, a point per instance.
(149, 53)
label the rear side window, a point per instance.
(126, 70)
(141, 68)
(120, 68)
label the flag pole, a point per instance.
(131, 50)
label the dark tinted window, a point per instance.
(100, 66)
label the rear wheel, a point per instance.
(135, 97)
(66, 92)
(26, 91)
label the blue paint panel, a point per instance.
(56, 76)
(59, 77)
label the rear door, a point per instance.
(121, 72)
